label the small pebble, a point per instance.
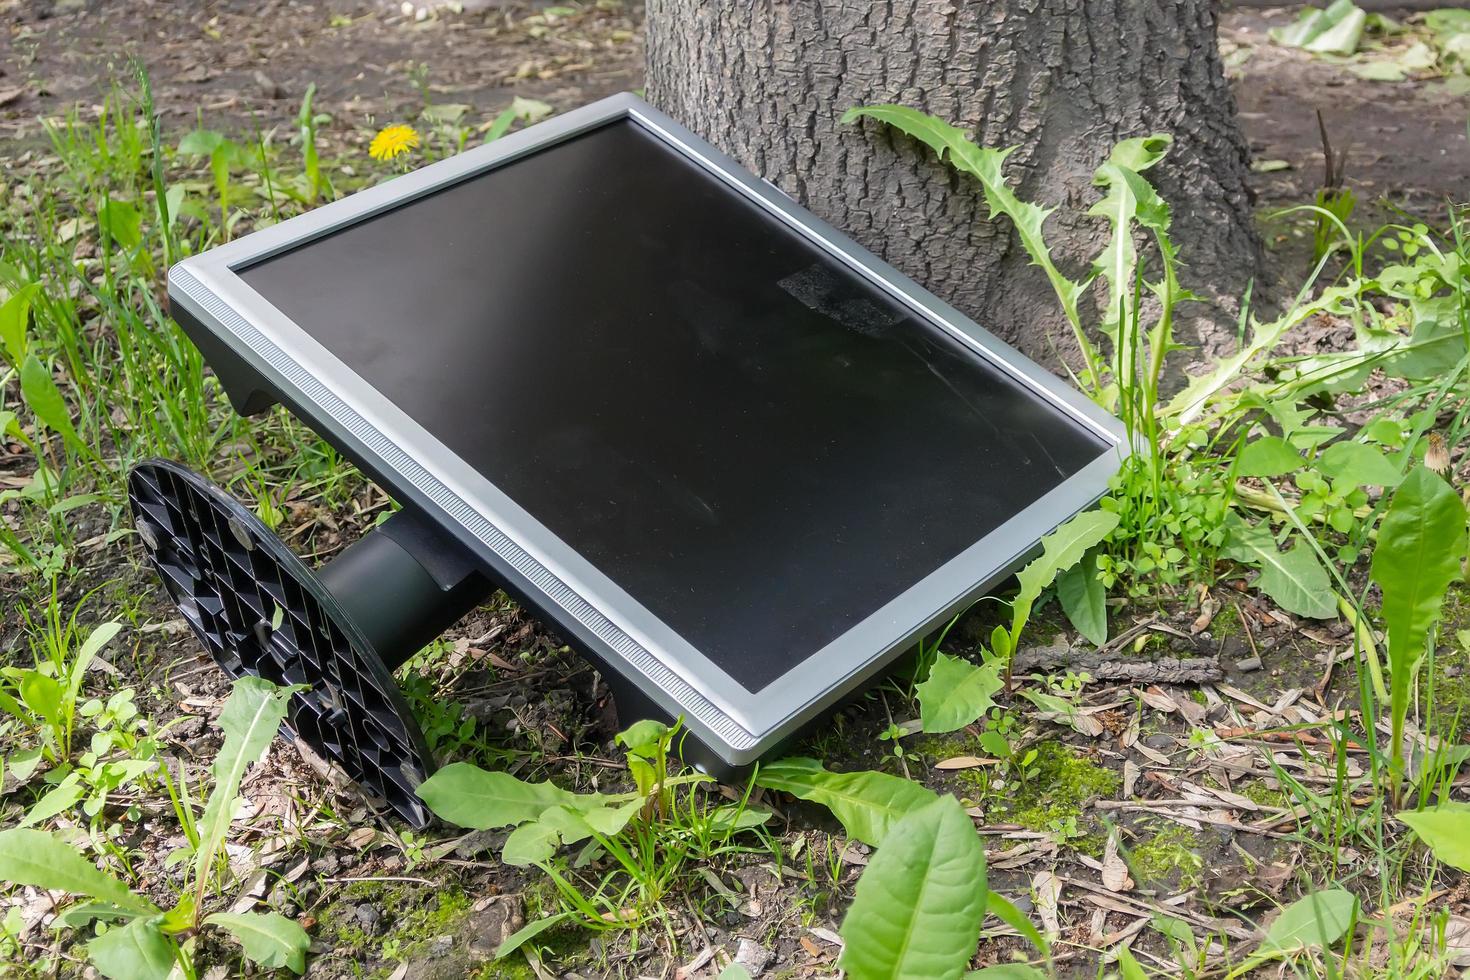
(368, 918)
(753, 956)
(1248, 664)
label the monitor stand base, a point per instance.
(337, 632)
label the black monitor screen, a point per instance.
(746, 436)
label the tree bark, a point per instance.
(768, 80)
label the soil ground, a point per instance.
(385, 907)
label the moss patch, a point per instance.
(940, 747)
(1057, 788)
(1173, 849)
(1226, 623)
(1261, 795)
(415, 916)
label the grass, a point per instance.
(96, 377)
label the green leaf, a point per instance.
(1060, 550)
(100, 636)
(734, 971)
(1002, 908)
(136, 951)
(34, 857)
(42, 694)
(250, 719)
(917, 910)
(530, 931)
(1139, 153)
(956, 693)
(642, 737)
(14, 313)
(867, 804)
(607, 815)
(44, 399)
(987, 166)
(63, 796)
(734, 818)
(1359, 464)
(1445, 830)
(501, 125)
(1449, 21)
(122, 221)
(1084, 600)
(201, 143)
(1432, 350)
(468, 796)
(1294, 579)
(1316, 921)
(1128, 966)
(270, 939)
(530, 843)
(1129, 198)
(1175, 930)
(1421, 540)
(1268, 456)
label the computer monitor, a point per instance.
(735, 458)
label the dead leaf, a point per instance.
(1130, 737)
(1207, 610)
(964, 762)
(1047, 888)
(1234, 799)
(826, 936)
(9, 95)
(1154, 755)
(1155, 698)
(361, 837)
(1114, 870)
(1457, 940)
(1130, 778)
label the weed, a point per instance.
(148, 943)
(636, 847)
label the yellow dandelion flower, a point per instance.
(393, 141)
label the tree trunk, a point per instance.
(768, 80)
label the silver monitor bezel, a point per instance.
(739, 725)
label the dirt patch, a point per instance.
(245, 64)
(1405, 142)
